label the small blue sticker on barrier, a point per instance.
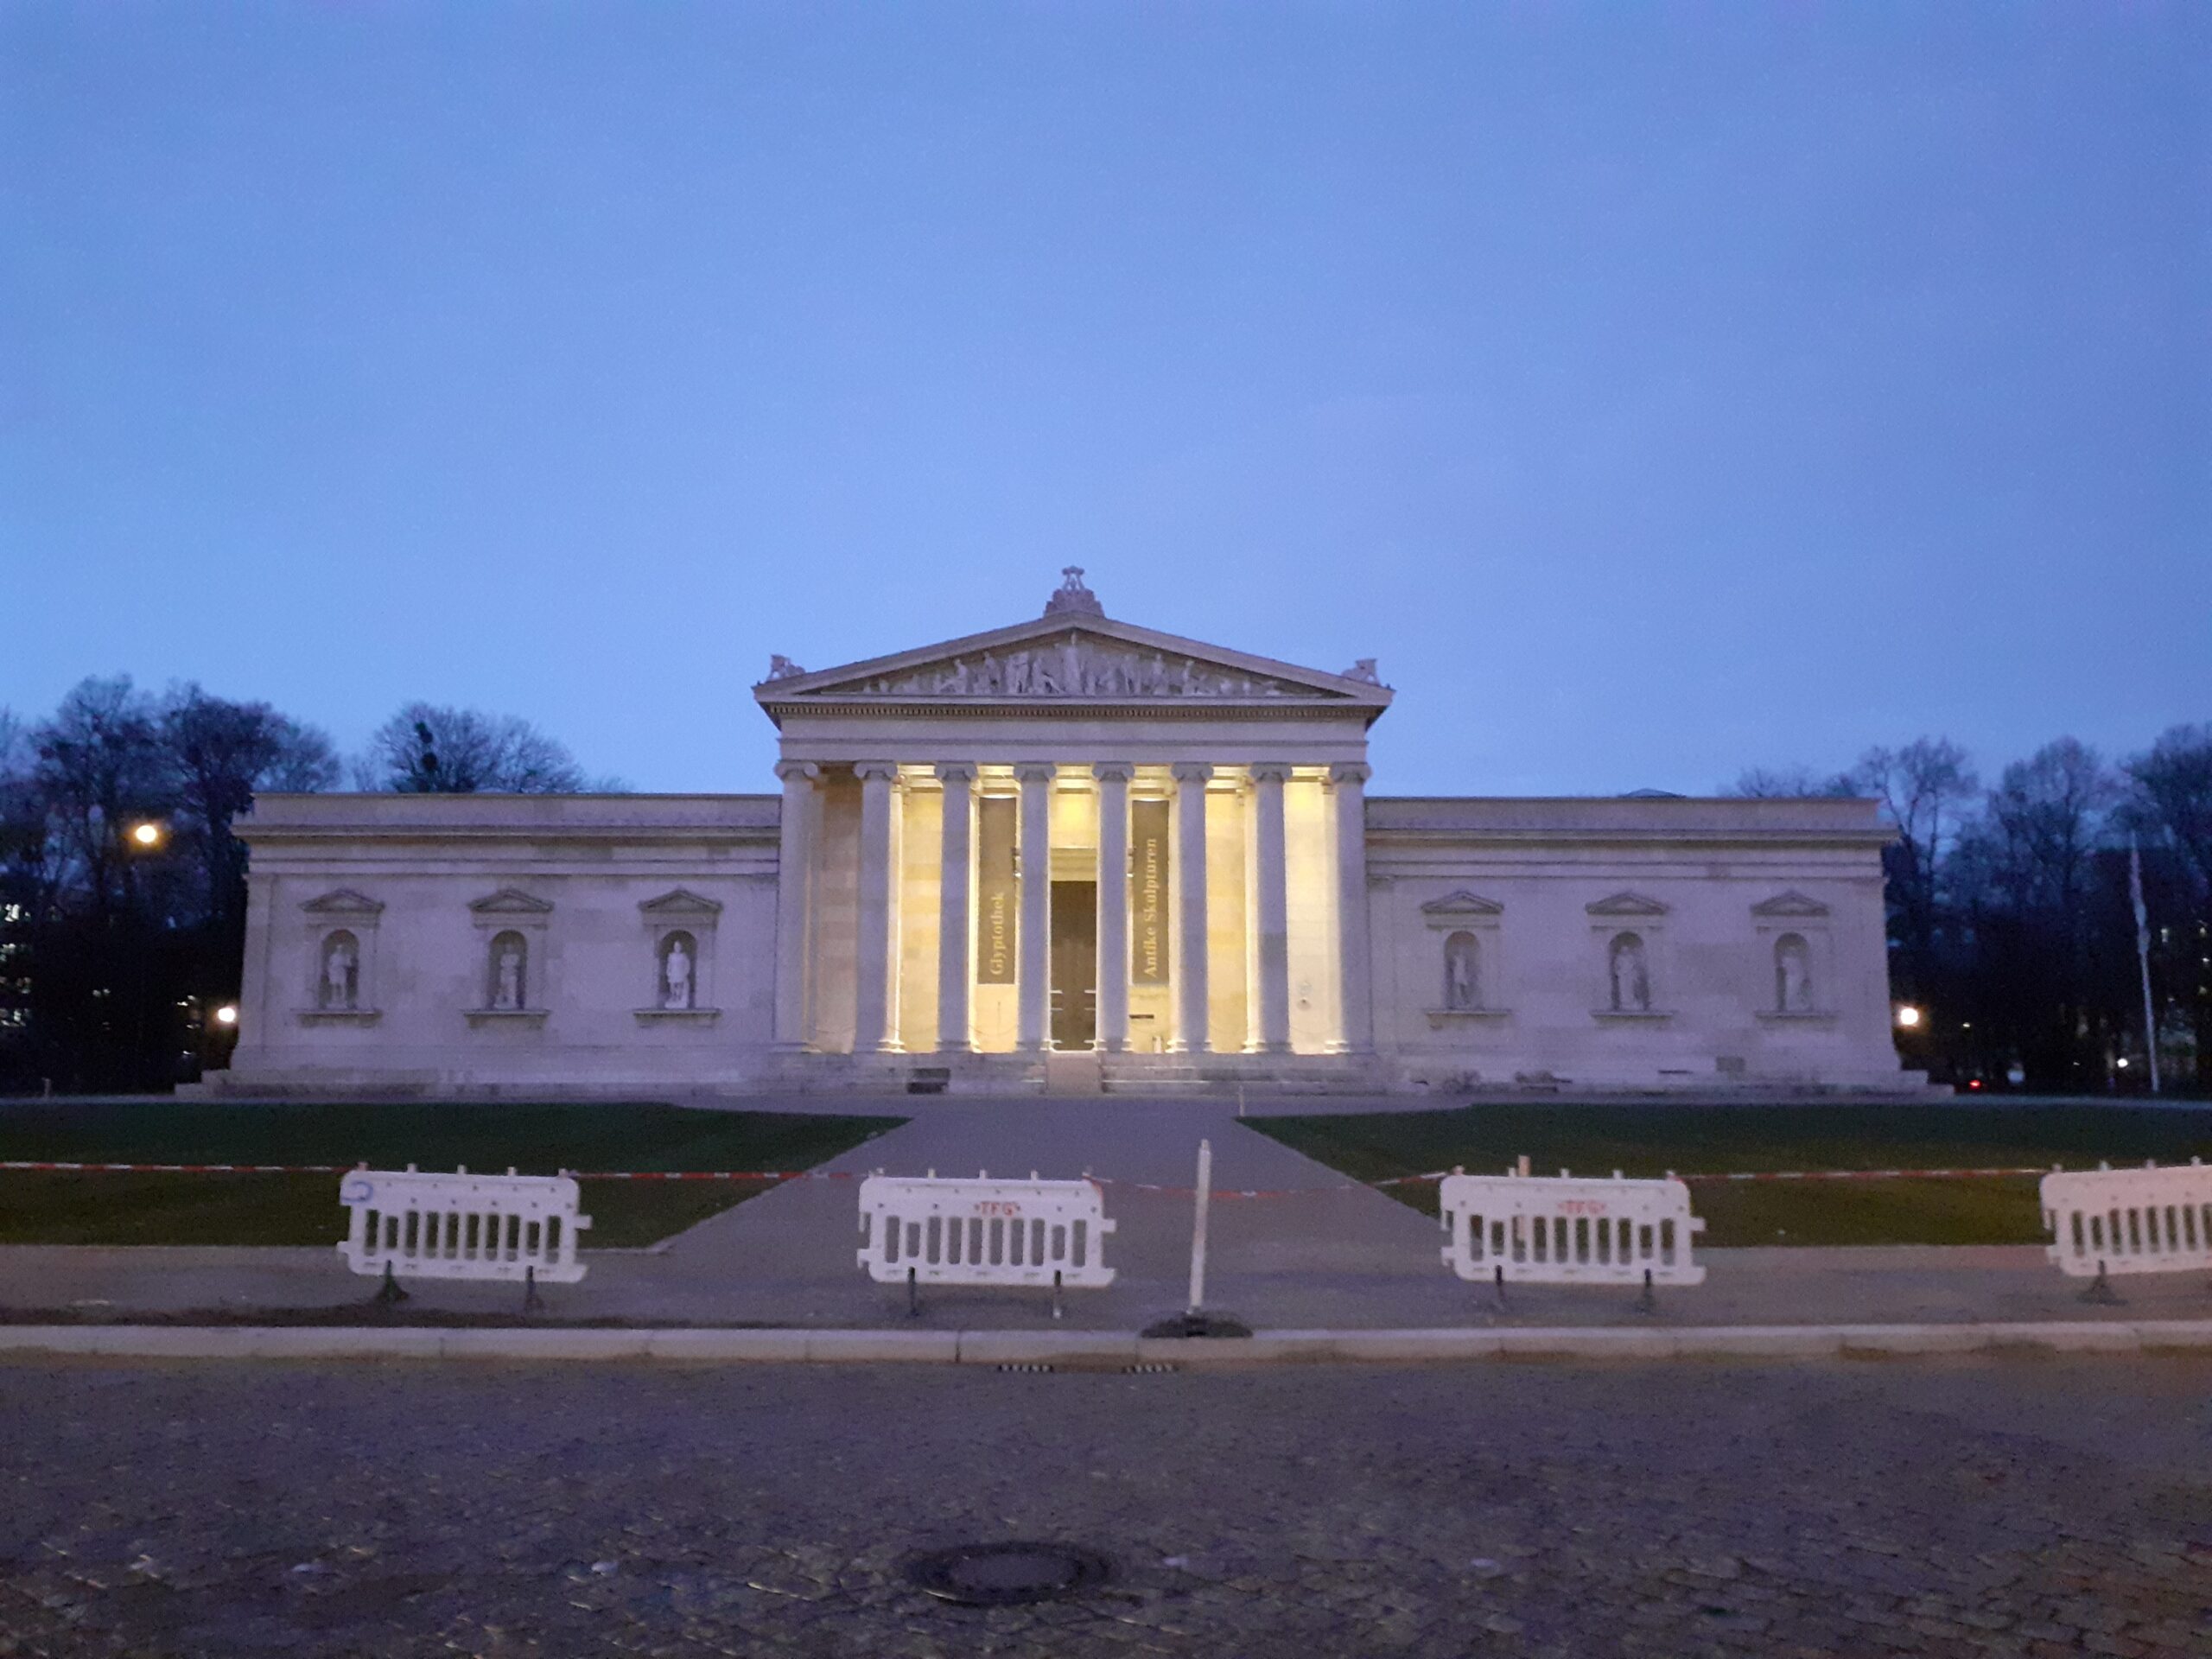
(357, 1192)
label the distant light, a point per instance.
(146, 834)
(1908, 1016)
(1974, 1084)
(2122, 1062)
(227, 1014)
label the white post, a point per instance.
(2143, 956)
(1199, 1227)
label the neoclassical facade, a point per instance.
(1071, 855)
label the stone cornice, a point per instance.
(1072, 709)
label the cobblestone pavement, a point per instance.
(1966, 1507)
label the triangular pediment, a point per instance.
(344, 901)
(511, 901)
(1463, 903)
(1792, 903)
(1069, 658)
(680, 901)
(1627, 903)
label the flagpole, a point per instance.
(2143, 955)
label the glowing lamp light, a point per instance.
(146, 834)
(2121, 1061)
(1908, 1017)
(227, 1014)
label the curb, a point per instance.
(1080, 1349)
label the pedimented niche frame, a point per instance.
(1629, 912)
(679, 910)
(322, 919)
(1452, 913)
(1772, 920)
(510, 910)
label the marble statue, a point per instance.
(782, 667)
(1794, 987)
(1460, 989)
(1363, 671)
(338, 980)
(678, 970)
(508, 998)
(1631, 975)
(1071, 596)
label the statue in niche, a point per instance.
(1793, 978)
(1632, 975)
(340, 974)
(676, 971)
(506, 998)
(1462, 989)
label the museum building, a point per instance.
(1074, 854)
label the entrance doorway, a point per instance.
(1075, 964)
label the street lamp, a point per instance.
(1908, 1017)
(227, 1014)
(148, 835)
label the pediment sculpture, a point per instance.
(1074, 666)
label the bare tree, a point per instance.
(101, 765)
(223, 754)
(1925, 789)
(428, 750)
(2170, 806)
(1773, 783)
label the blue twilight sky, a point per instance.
(1657, 391)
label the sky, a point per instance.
(1657, 391)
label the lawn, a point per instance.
(39, 1207)
(1652, 1139)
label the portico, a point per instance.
(1148, 847)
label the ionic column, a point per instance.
(1271, 910)
(1113, 778)
(802, 811)
(875, 987)
(1033, 948)
(953, 929)
(1187, 953)
(1355, 1015)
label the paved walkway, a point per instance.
(1337, 1256)
(1949, 1511)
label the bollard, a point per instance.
(1200, 1212)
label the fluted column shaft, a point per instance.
(1187, 956)
(1033, 950)
(954, 1035)
(800, 818)
(1271, 910)
(875, 985)
(1113, 778)
(1356, 1019)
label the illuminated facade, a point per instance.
(1071, 855)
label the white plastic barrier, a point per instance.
(2148, 1220)
(929, 1230)
(461, 1226)
(1569, 1231)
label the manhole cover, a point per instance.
(1005, 1575)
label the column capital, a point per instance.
(1190, 772)
(1035, 772)
(867, 771)
(1114, 771)
(955, 772)
(791, 770)
(1270, 772)
(1350, 771)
